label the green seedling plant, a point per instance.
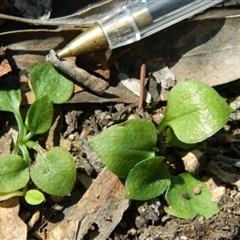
(53, 171)
(195, 112)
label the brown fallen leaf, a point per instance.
(12, 226)
(30, 47)
(5, 67)
(101, 207)
(201, 49)
(76, 14)
(214, 61)
(6, 142)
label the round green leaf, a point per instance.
(54, 172)
(184, 202)
(34, 197)
(14, 173)
(122, 146)
(195, 111)
(148, 179)
(47, 80)
(39, 116)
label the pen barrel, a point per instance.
(141, 19)
(123, 26)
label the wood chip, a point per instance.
(12, 226)
(5, 67)
(226, 173)
(101, 208)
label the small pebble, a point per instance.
(197, 190)
(237, 196)
(165, 218)
(191, 161)
(34, 219)
(71, 137)
(157, 117)
(184, 238)
(201, 219)
(233, 193)
(133, 116)
(132, 231)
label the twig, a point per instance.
(141, 94)
(142, 83)
(119, 113)
(229, 160)
(81, 76)
(47, 22)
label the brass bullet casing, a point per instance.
(92, 40)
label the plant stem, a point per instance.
(15, 150)
(35, 146)
(25, 153)
(21, 128)
(27, 137)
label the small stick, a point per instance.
(81, 76)
(141, 94)
(48, 22)
(142, 83)
(229, 160)
(119, 113)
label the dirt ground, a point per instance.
(147, 220)
(88, 114)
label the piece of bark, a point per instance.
(92, 157)
(116, 92)
(81, 76)
(227, 173)
(4, 67)
(6, 142)
(12, 226)
(25, 49)
(102, 207)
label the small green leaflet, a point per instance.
(14, 173)
(54, 172)
(34, 197)
(148, 179)
(40, 115)
(122, 146)
(195, 112)
(47, 80)
(183, 200)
